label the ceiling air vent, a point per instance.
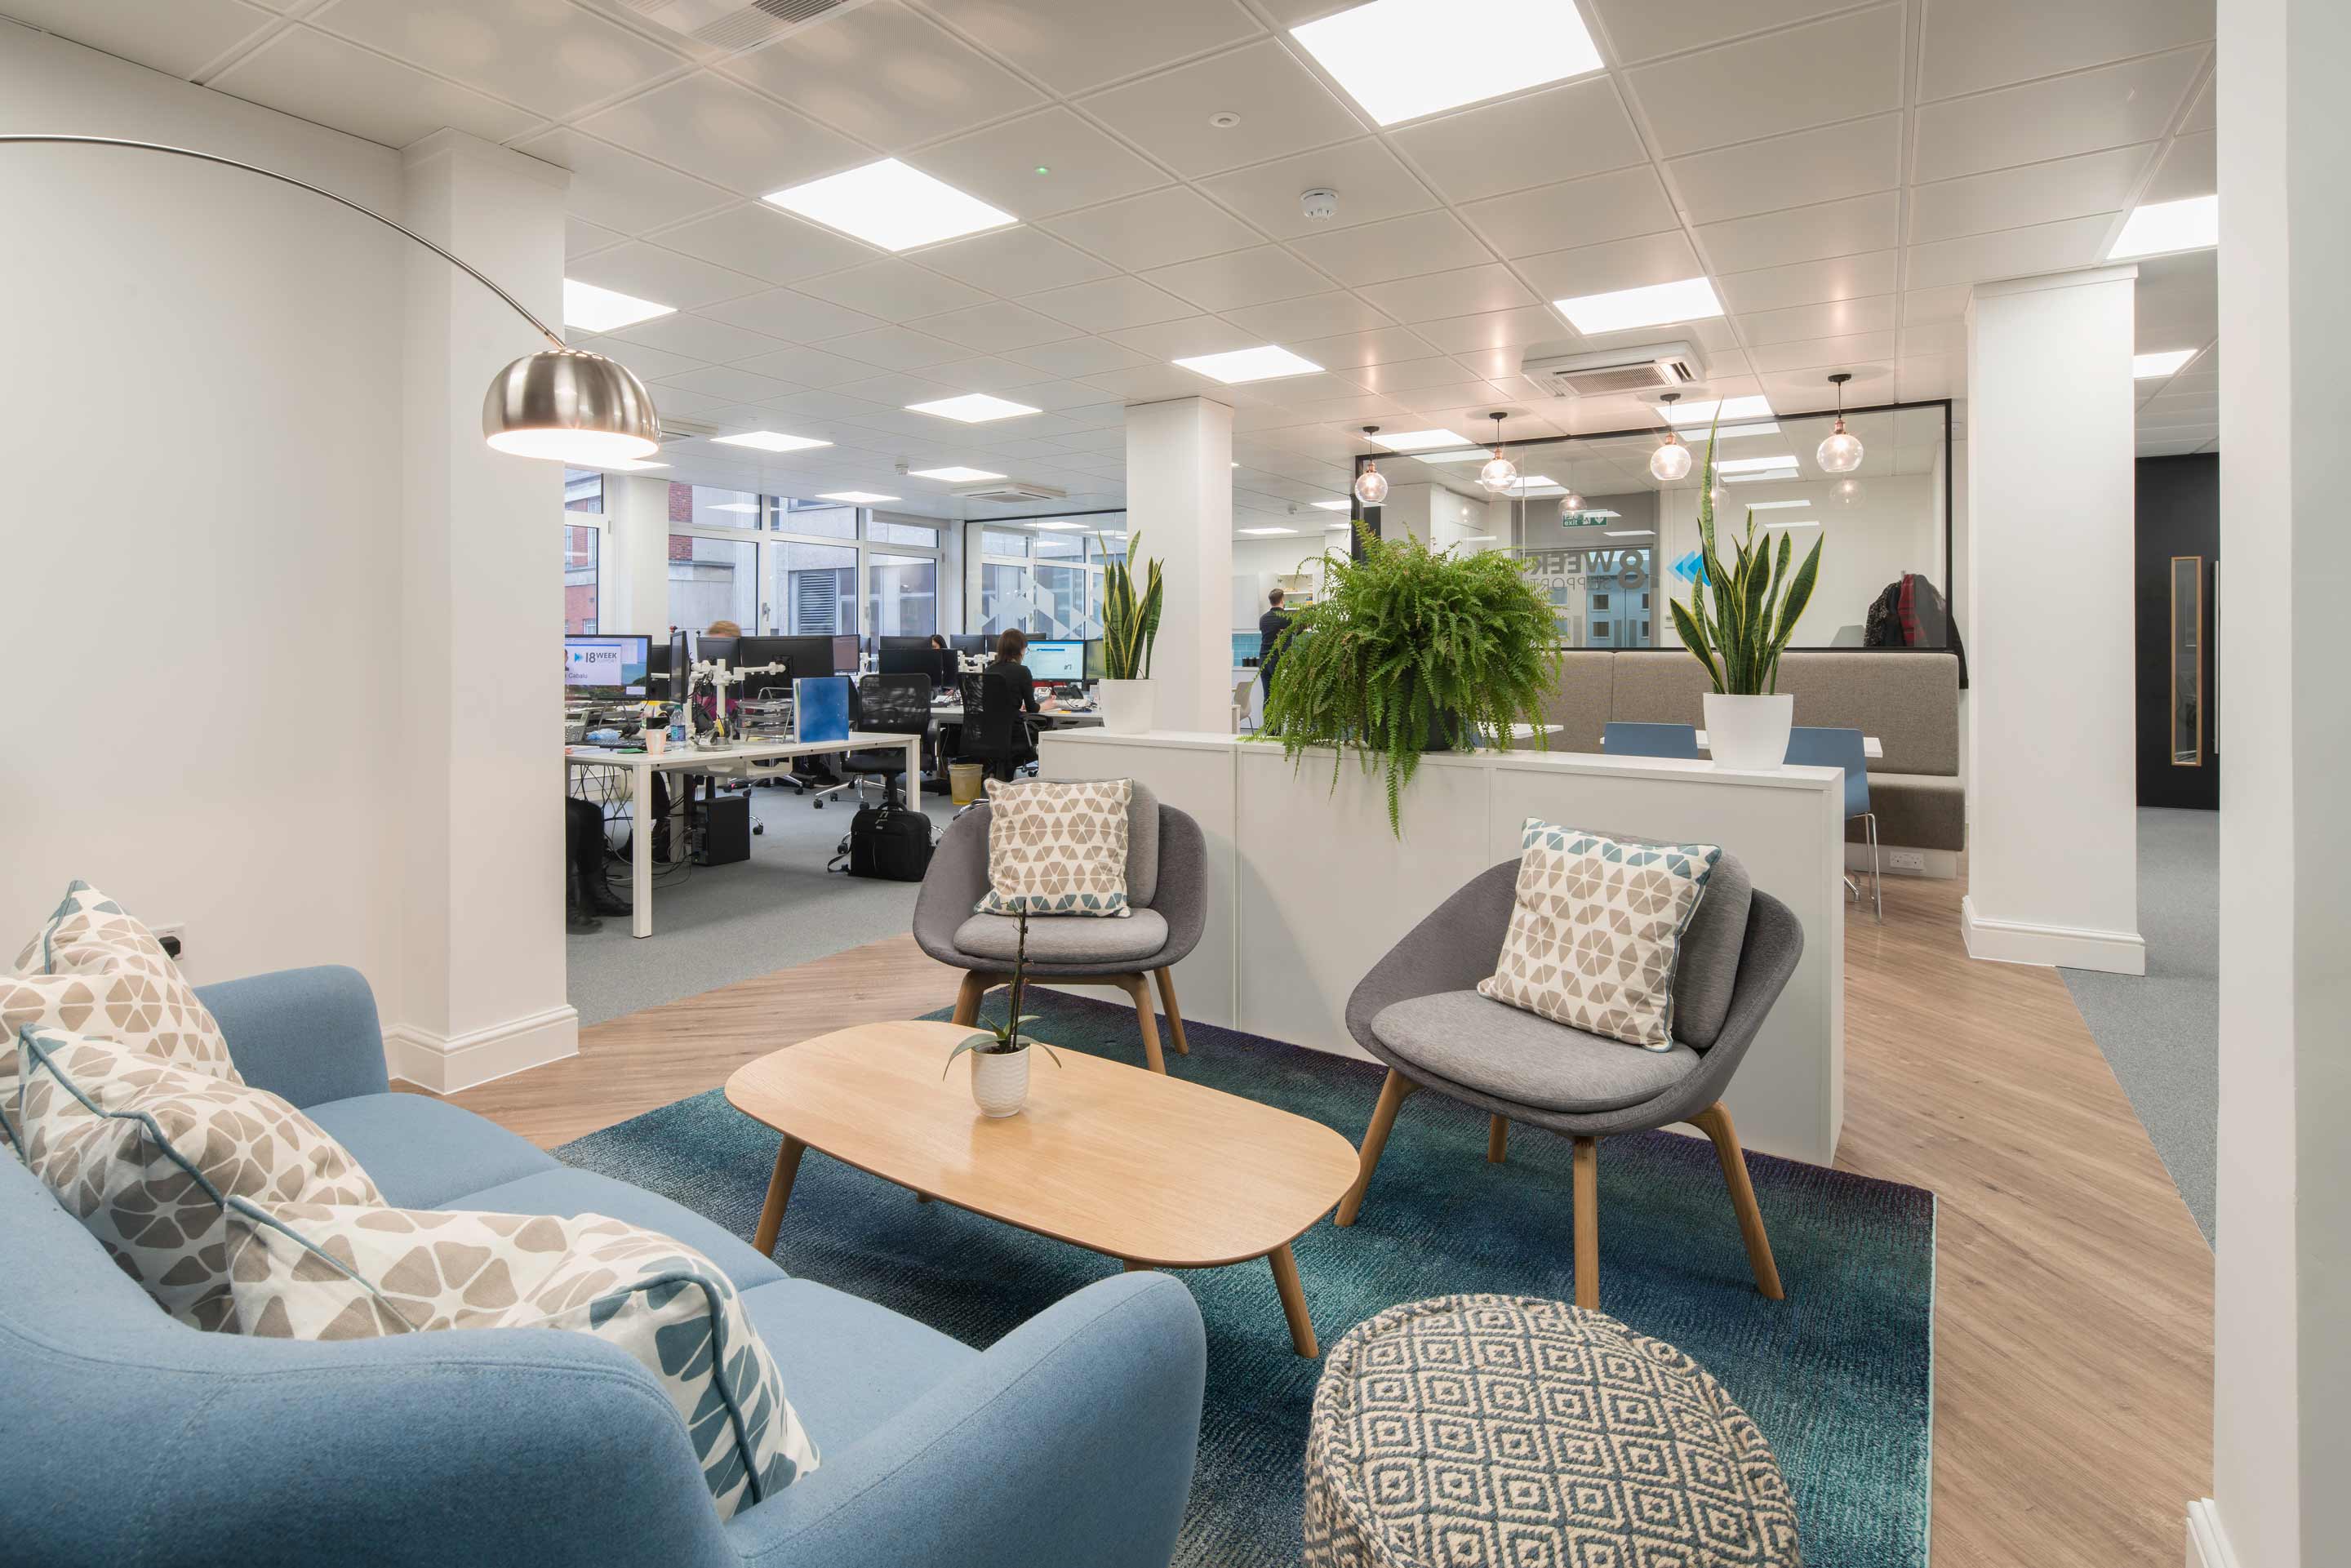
(687, 429)
(1653, 367)
(734, 24)
(1011, 490)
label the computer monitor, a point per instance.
(925, 659)
(978, 643)
(845, 653)
(752, 652)
(604, 668)
(710, 650)
(1056, 661)
(1097, 662)
(884, 644)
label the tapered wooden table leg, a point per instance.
(1587, 1222)
(1375, 1138)
(1293, 1300)
(1167, 979)
(1498, 1139)
(968, 995)
(779, 1193)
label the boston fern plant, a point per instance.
(1757, 601)
(1130, 621)
(1408, 648)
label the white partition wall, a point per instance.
(1308, 888)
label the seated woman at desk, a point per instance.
(1008, 695)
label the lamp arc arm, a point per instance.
(459, 262)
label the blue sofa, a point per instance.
(135, 1439)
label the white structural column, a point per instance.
(481, 611)
(2282, 1295)
(2053, 835)
(636, 564)
(1179, 496)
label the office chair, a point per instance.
(1815, 747)
(886, 704)
(996, 724)
(1624, 739)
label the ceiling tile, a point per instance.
(664, 276)
(995, 325)
(2201, 116)
(555, 61)
(700, 337)
(1344, 351)
(1604, 268)
(886, 75)
(897, 389)
(1405, 375)
(1433, 241)
(1799, 170)
(1803, 234)
(619, 189)
(1110, 304)
(1971, 45)
(894, 290)
(1560, 132)
(2111, 107)
(1079, 357)
(1148, 382)
(999, 165)
(725, 133)
(2033, 193)
(1825, 72)
(897, 349)
(581, 237)
(1315, 316)
(784, 313)
(1642, 29)
(1932, 338)
(174, 37)
(1810, 282)
(1240, 277)
(811, 368)
(1371, 185)
(1922, 306)
(2011, 253)
(1164, 226)
(1496, 329)
(1284, 108)
(1020, 261)
(755, 238)
(2190, 168)
(1073, 45)
(729, 381)
(1436, 295)
(1589, 211)
(330, 82)
(1185, 338)
(650, 364)
(1834, 319)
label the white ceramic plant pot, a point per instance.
(1128, 708)
(1750, 733)
(1000, 1081)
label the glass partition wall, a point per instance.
(1044, 575)
(1609, 543)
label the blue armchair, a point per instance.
(138, 1439)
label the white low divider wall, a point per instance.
(1308, 888)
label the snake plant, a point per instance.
(1130, 621)
(1757, 601)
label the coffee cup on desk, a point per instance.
(656, 742)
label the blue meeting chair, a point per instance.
(1622, 739)
(1810, 748)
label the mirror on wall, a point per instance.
(2187, 708)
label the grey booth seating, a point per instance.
(1909, 699)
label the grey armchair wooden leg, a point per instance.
(1497, 1140)
(1138, 988)
(1166, 979)
(1392, 1094)
(1715, 1122)
(968, 995)
(1587, 1223)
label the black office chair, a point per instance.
(886, 704)
(996, 725)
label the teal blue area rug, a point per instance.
(1839, 1377)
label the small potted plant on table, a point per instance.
(999, 1060)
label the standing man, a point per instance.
(1269, 625)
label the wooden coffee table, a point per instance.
(1155, 1171)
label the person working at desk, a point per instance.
(1269, 626)
(1007, 696)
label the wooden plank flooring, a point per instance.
(2073, 1322)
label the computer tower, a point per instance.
(726, 831)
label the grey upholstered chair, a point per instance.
(1420, 1011)
(1166, 876)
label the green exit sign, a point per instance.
(1584, 519)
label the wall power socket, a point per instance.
(1906, 860)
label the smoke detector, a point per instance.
(1319, 206)
(1224, 119)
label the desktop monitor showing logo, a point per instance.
(605, 667)
(1056, 662)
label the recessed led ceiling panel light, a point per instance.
(1690, 300)
(2163, 364)
(1630, 533)
(1752, 464)
(1265, 530)
(1787, 473)
(1534, 485)
(2164, 226)
(1728, 407)
(1793, 523)
(1057, 524)
(769, 441)
(1424, 440)
(736, 507)
(971, 408)
(1467, 455)
(890, 205)
(854, 497)
(1403, 58)
(594, 309)
(1258, 364)
(1332, 505)
(1769, 506)
(956, 475)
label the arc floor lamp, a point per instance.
(561, 403)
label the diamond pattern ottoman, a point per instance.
(1510, 1432)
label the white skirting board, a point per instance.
(447, 1063)
(2208, 1543)
(2061, 946)
(1937, 865)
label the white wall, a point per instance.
(200, 521)
(1891, 530)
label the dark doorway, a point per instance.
(2176, 585)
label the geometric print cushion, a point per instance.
(1508, 1431)
(93, 969)
(144, 1154)
(310, 1271)
(1596, 931)
(1057, 848)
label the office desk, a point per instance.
(729, 762)
(952, 714)
(1870, 747)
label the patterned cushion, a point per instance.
(1057, 848)
(310, 1271)
(93, 969)
(1502, 1430)
(1597, 931)
(144, 1152)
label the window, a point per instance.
(889, 531)
(992, 542)
(1064, 607)
(583, 490)
(904, 597)
(1600, 632)
(821, 518)
(1004, 598)
(702, 507)
(711, 580)
(582, 547)
(1599, 602)
(816, 587)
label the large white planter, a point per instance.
(1128, 708)
(1000, 1081)
(1749, 733)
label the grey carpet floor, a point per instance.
(2161, 1031)
(714, 926)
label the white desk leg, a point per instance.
(641, 852)
(914, 771)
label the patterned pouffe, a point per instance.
(1508, 1432)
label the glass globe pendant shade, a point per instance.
(1840, 453)
(1847, 492)
(1370, 487)
(1498, 475)
(1671, 462)
(1571, 503)
(570, 406)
